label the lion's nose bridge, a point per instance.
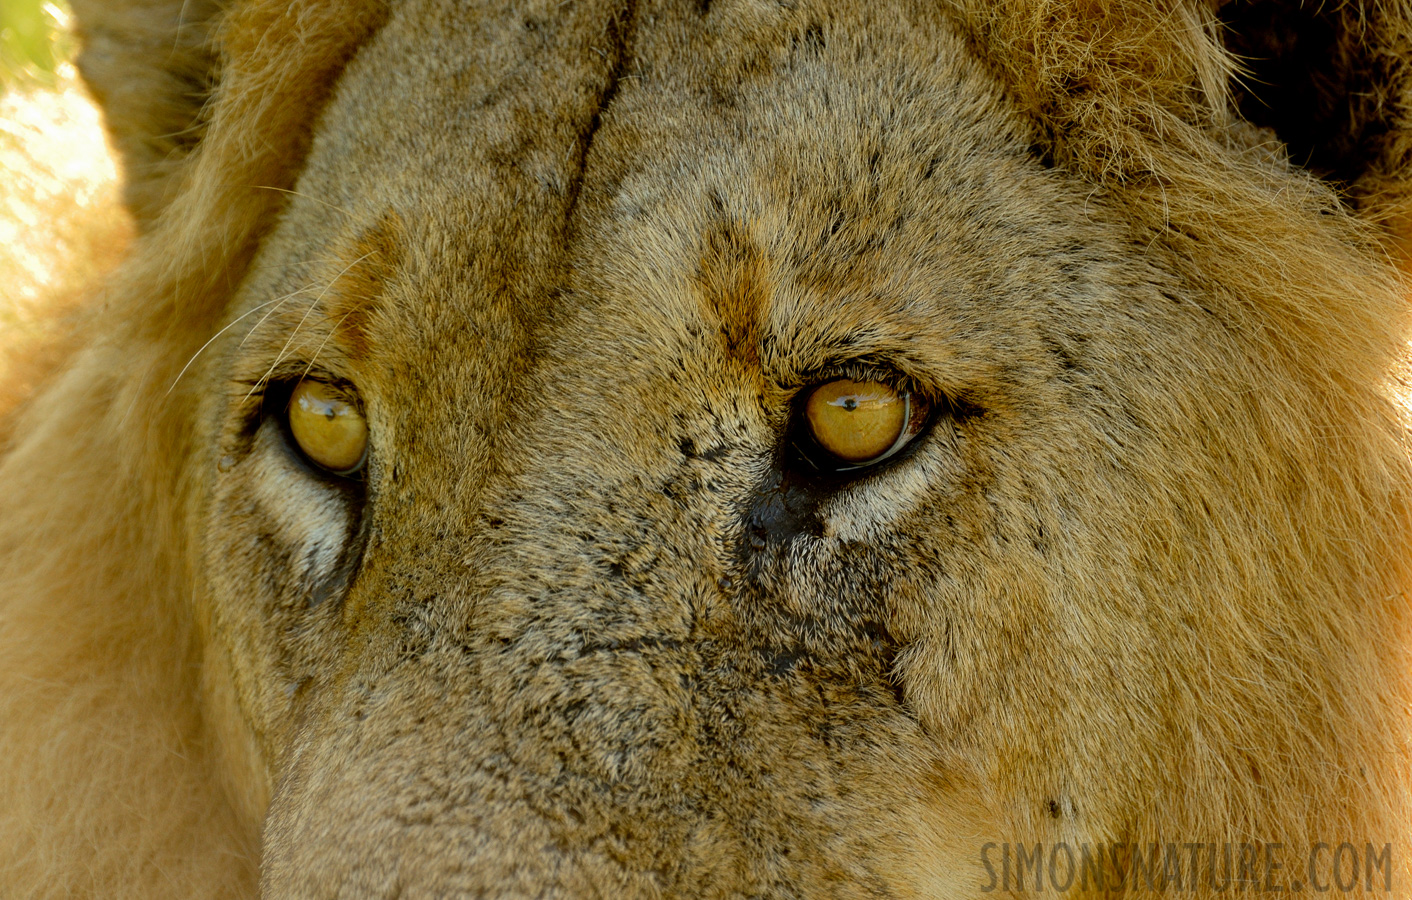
(473, 756)
(524, 676)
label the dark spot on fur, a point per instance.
(1039, 540)
(1061, 355)
(690, 450)
(722, 98)
(1054, 810)
(783, 662)
(811, 40)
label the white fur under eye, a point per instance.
(311, 518)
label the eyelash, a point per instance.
(258, 398)
(859, 370)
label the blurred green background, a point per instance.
(32, 40)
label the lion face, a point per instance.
(634, 620)
(591, 615)
(771, 450)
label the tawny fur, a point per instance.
(1152, 587)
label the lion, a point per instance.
(725, 448)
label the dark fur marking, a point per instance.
(619, 32)
(734, 288)
(690, 450)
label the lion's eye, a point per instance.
(329, 429)
(858, 423)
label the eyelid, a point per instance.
(857, 370)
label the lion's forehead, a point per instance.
(598, 188)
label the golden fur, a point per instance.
(583, 631)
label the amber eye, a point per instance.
(327, 426)
(859, 423)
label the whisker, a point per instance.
(335, 208)
(324, 343)
(228, 327)
(176, 34)
(279, 358)
(303, 261)
(291, 295)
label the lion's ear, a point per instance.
(151, 66)
(1332, 81)
(1125, 87)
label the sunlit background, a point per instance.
(60, 223)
